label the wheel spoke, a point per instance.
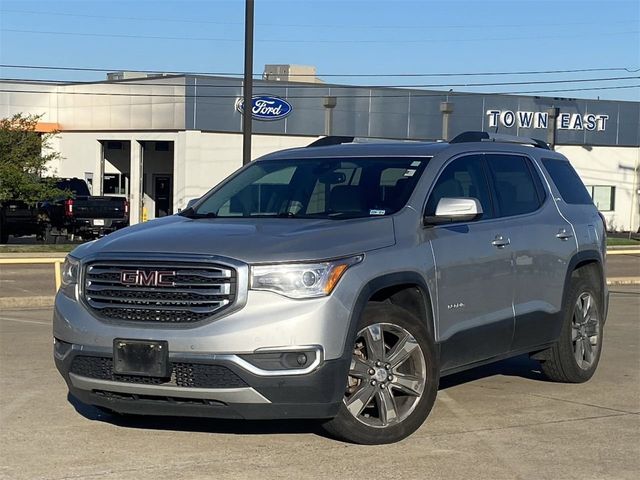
(359, 368)
(408, 384)
(575, 332)
(357, 402)
(586, 307)
(588, 350)
(386, 406)
(374, 342)
(401, 351)
(579, 351)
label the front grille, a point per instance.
(158, 292)
(188, 375)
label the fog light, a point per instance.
(287, 360)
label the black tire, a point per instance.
(49, 237)
(345, 425)
(560, 363)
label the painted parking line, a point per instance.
(21, 320)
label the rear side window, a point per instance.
(515, 189)
(567, 181)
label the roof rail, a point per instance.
(498, 137)
(337, 140)
(330, 140)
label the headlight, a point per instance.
(70, 269)
(301, 280)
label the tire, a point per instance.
(408, 388)
(49, 237)
(575, 356)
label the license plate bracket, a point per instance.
(141, 357)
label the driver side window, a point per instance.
(464, 177)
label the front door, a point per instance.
(473, 267)
(163, 194)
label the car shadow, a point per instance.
(521, 366)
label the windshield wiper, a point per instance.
(190, 213)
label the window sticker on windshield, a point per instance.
(416, 163)
(377, 212)
(409, 172)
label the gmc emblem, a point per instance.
(148, 278)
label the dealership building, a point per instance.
(163, 140)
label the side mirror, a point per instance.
(192, 202)
(450, 210)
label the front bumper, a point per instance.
(238, 393)
(266, 322)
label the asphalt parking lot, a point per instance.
(503, 421)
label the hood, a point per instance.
(249, 240)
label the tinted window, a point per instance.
(75, 185)
(567, 181)
(316, 188)
(514, 187)
(464, 177)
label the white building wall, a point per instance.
(611, 166)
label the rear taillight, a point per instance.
(68, 207)
(126, 207)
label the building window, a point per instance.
(162, 146)
(604, 197)
(114, 145)
(114, 184)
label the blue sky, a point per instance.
(338, 37)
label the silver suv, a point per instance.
(340, 282)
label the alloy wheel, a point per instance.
(387, 375)
(585, 331)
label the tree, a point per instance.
(24, 155)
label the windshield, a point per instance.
(315, 188)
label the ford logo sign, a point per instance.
(266, 107)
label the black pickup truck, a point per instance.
(19, 219)
(76, 215)
(82, 214)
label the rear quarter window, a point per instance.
(567, 181)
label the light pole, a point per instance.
(446, 108)
(248, 82)
(329, 103)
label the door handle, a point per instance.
(501, 242)
(563, 234)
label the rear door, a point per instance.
(473, 270)
(576, 204)
(541, 245)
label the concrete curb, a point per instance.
(623, 281)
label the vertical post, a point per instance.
(329, 103)
(136, 188)
(58, 274)
(552, 126)
(248, 82)
(446, 108)
(99, 188)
